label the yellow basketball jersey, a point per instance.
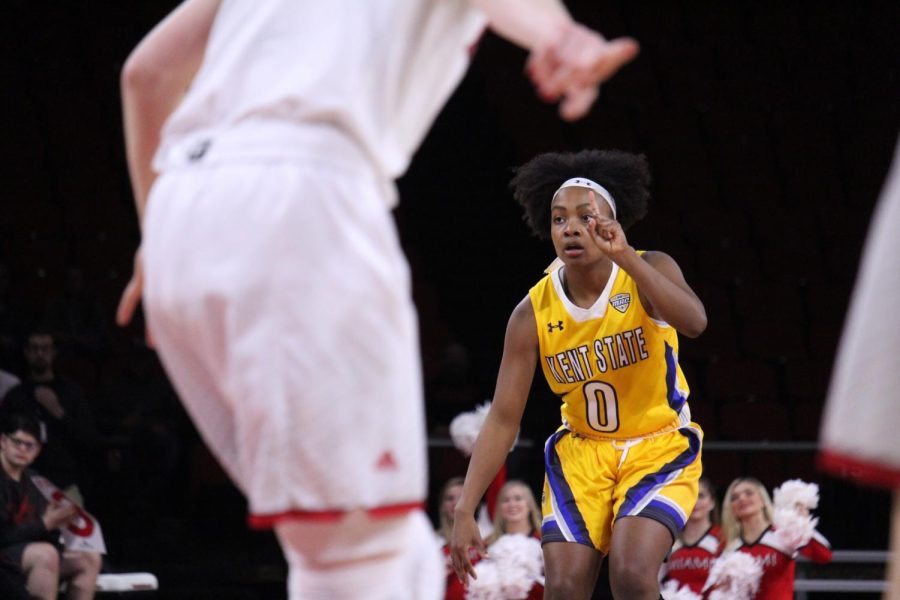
(614, 367)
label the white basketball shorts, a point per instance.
(280, 303)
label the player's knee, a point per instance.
(565, 587)
(633, 580)
(41, 555)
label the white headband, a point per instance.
(583, 182)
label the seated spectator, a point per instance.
(67, 430)
(29, 525)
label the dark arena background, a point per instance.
(769, 128)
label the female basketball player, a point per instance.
(621, 472)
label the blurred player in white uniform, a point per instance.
(273, 281)
(859, 430)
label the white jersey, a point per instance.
(859, 432)
(379, 70)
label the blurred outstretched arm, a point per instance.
(568, 61)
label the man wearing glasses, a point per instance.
(62, 411)
(29, 525)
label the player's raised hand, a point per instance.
(465, 535)
(609, 236)
(605, 231)
(573, 63)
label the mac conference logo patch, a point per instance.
(620, 302)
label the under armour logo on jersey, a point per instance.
(386, 462)
(551, 326)
(199, 150)
(620, 302)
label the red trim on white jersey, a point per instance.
(859, 470)
(270, 520)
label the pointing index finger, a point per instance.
(595, 207)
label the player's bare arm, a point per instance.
(498, 433)
(667, 296)
(663, 291)
(568, 61)
(154, 79)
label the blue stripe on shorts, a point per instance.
(562, 493)
(675, 398)
(656, 509)
(664, 513)
(550, 532)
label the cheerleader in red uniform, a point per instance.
(747, 527)
(449, 496)
(516, 512)
(698, 545)
(818, 549)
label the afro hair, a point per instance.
(625, 175)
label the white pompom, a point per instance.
(734, 576)
(518, 550)
(796, 491)
(487, 586)
(671, 591)
(514, 564)
(793, 529)
(465, 426)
